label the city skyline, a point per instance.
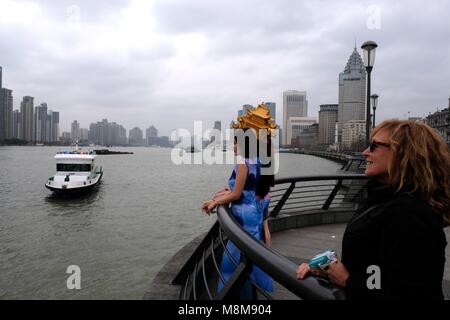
(132, 63)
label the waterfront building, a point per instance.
(295, 105)
(308, 137)
(75, 130)
(440, 120)
(151, 136)
(354, 134)
(66, 137)
(151, 132)
(328, 115)
(93, 133)
(136, 137)
(118, 135)
(246, 107)
(295, 126)
(54, 126)
(352, 92)
(84, 134)
(416, 119)
(107, 133)
(27, 119)
(16, 124)
(42, 123)
(46, 124)
(6, 111)
(218, 125)
(2, 110)
(273, 109)
(164, 141)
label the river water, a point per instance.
(144, 211)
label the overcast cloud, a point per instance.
(170, 62)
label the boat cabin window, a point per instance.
(73, 167)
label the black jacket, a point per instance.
(401, 235)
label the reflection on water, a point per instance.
(120, 235)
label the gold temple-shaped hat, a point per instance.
(257, 118)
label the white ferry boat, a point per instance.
(76, 172)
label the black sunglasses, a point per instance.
(375, 144)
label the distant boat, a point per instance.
(39, 144)
(107, 151)
(192, 149)
(75, 172)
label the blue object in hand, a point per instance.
(322, 260)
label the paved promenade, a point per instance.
(303, 243)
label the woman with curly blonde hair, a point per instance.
(399, 229)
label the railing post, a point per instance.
(333, 193)
(283, 200)
(232, 288)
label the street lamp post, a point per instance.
(374, 100)
(369, 48)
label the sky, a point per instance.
(169, 63)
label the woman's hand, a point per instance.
(304, 269)
(208, 206)
(338, 273)
(224, 191)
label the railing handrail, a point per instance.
(277, 266)
(320, 178)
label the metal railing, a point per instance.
(310, 193)
(200, 275)
(335, 156)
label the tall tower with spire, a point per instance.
(352, 92)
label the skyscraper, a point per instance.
(2, 111)
(16, 124)
(3, 118)
(352, 92)
(273, 109)
(27, 119)
(246, 107)
(75, 130)
(54, 126)
(151, 136)
(328, 115)
(41, 123)
(151, 132)
(218, 125)
(6, 109)
(135, 138)
(294, 105)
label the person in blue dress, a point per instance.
(248, 194)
